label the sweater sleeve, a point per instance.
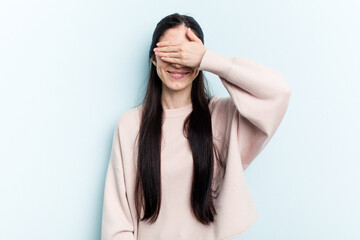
(116, 216)
(258, 100)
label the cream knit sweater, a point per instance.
(247, 120)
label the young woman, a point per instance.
(177, 164)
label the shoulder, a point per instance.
(130, 119)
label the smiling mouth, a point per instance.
(177, 74)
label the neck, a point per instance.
(175, 99)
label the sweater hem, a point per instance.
(243, 231)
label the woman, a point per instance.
(177, 161)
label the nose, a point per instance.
(176, 65)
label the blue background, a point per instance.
(68, 69)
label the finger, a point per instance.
(165, 43)
(192, 36)
(167, 49)
(168, 54)
(171, 60)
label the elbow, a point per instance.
(287, 94)
(284, 98)
(285, 88)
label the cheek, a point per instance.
(160, 61)
(196, 72)
(160, 69)
(161, 65)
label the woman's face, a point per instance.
(171, 81)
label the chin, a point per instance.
(177, 85)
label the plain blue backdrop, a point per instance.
(68, 69)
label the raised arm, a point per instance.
(258, 100)
(116, 217)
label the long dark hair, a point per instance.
(197, 129)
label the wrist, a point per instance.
(202, 56)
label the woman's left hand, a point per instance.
(187, 53)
